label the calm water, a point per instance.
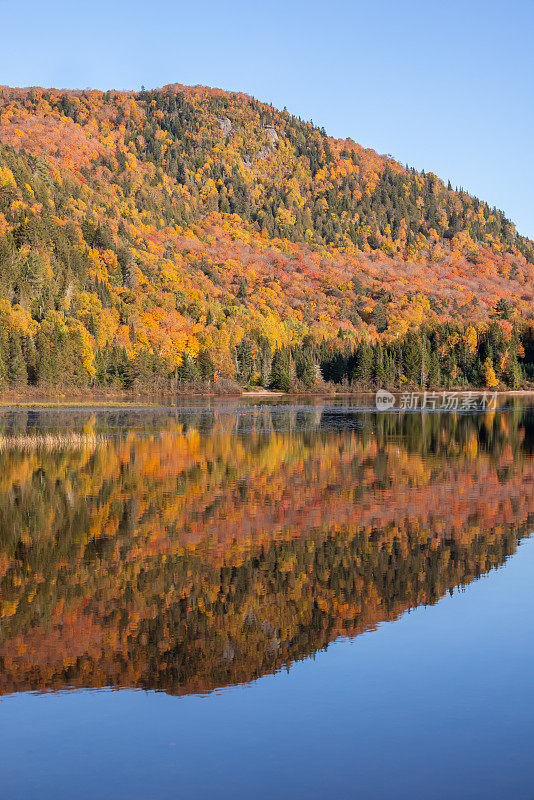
(266, 602)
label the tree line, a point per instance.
(444, 356)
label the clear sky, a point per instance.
(444, 85)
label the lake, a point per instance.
(239, 600)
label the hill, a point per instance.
(166, 237)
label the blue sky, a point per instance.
(446, 86)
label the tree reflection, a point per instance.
(202, 548)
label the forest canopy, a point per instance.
(184, 235)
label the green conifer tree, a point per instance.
(3, 371)
(379, 366)
(18, 374)
(280, 378)
(363, 369)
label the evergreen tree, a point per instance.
(100, 369)
(305, 368)
(412, 358)
(31, 358)
(379, 367)
(3, 371)
(188, 371)
(18, 375)
(434, 370)
(363, 370)
(280, 378)
(380, 318)
(205, 366)
(46, 374)
(514, 377)
(245, 360)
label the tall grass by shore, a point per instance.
(51, 441)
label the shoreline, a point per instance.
(87, 399)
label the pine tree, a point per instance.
(3, 371)
(514, 373)
(379, 369)
(434, 370)
(205, 365)
(100, 369)
(18, 374)
(266, 361)
(364, 364)
(46, 375)
(280, 379)
(245, 360)
(31, 358)
(380, 318)
(305, 367)
(411, 358)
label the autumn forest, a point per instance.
(191, 237)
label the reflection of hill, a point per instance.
(173, 559)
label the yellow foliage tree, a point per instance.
(489, 374)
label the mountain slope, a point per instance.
(189, 232)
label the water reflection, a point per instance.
(191, 549)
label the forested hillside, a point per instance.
(185, 235)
